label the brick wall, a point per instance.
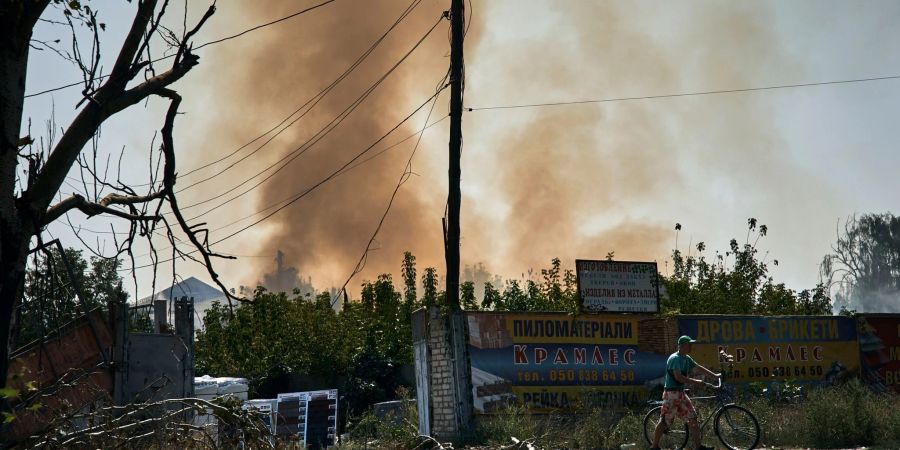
(657, 335)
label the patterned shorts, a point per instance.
(677, 404)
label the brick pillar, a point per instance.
(449, 376)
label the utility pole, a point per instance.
(454, 196)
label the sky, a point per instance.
(571, 181)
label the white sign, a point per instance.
(617, 286)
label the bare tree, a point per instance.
(31, 179)
(864, 268)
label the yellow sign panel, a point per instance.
(554, 398)
(808, 361)
(578, 329)
(803, 348)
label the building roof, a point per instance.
(190, 287)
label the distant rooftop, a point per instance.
(190, 287)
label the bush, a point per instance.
(850, 415)
(512, 422)
(390, 431)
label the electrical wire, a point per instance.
(360, 163)
(226, 38)
(321, 94)
(308, 191)
(280, 202)
(685, 94)
(307, 145)
(407, 172)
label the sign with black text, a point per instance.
(558, 362)
(617, 286)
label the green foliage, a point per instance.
(430, 295)
(50, 299)
(273, 332)
(467, 298)
(275, 336)
(832, 417)
(594, 429)
(851, 415)
(512, 422)
(409, 279)
(737, 282)
(556, 291)
(395, 432)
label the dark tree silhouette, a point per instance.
(31, 176)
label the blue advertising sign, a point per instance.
(556, 361)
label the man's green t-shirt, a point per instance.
(683, 364)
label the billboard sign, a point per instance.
(617, 286)
(803, 348)
(557, 361)
(879, 347)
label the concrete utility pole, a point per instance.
(457, 77)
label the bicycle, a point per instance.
(735, 426)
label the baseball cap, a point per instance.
(685, 339)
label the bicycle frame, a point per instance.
(722, 398)
(739, 423)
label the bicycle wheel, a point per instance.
(737, 428)
(674, 438)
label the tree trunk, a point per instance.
(12, 279)
(16, 20)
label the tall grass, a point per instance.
(851, 415)
(590, 430)
(843, 416)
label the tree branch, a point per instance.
(92, 209)
(121, 72)
(49, 180)
(169, 188)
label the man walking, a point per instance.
(676, 402)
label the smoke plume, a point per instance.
(572, 182)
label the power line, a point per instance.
(337, 172)
(348, 169)
(344, 171)
(226, 38)
(308, 191)
(321, 94)
(407, 172)
(279, 203)
(316, 98)
(308, 144)
(685, 94)
(249, 30)
(324, 132)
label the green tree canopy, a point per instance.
(50, 297)
(736, 282)
(360, 349)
